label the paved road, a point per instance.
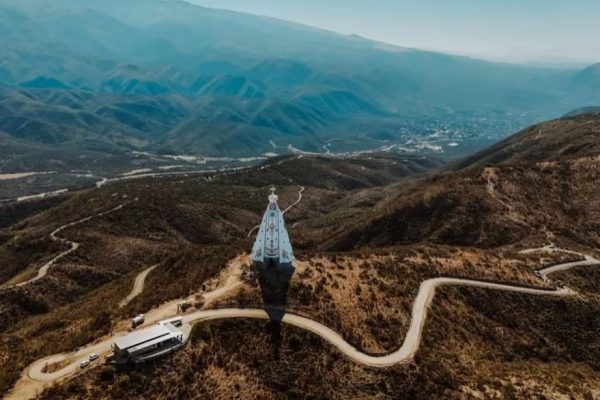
(43, 271)
(35, 378)
(138, 286)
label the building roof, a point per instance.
(143, 336)
(134, 349)
(272, 240)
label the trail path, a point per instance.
(284, 211)
(35, 379)
(491, 176)
(227, 282)
(43, 271)
(296, 202)
(138, 286)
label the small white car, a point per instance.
(94, 357)
(84, 363)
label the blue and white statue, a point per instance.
(272, 248)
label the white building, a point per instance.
(148, 344)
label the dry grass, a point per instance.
(191, 227)
(363, 255)
(478, 344)
(368, 296)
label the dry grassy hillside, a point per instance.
(364, 240)
(544, 186)
(563, 139)
(479, 344)
(191, 227)
(367, 295)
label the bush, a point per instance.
(445, 378)
(123, 381)
(76, 387)
(107, 373)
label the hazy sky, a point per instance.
(547, 31)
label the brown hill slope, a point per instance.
(563, 139)
(190, 226)
(477, 343)
(540, 181)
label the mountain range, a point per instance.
(175, 78)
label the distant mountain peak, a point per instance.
(44, 82)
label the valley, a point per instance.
(94, 90)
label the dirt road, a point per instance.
(43, 271)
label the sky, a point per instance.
(549, 32)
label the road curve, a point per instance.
(43, 271)
(296, 202)
(418, 316)
(587, 260)
(284, 211)
(405, 353)
(562, 267)
(138, 286)
(412, 339)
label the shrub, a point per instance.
(76, 387)
(123, 381)
(107, 373)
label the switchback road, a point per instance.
(43, 271)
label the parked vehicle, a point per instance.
(137, 321)
(94, 357)
(84, 364)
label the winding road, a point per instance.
(43, 271)
(34, 378)
(284, 211)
